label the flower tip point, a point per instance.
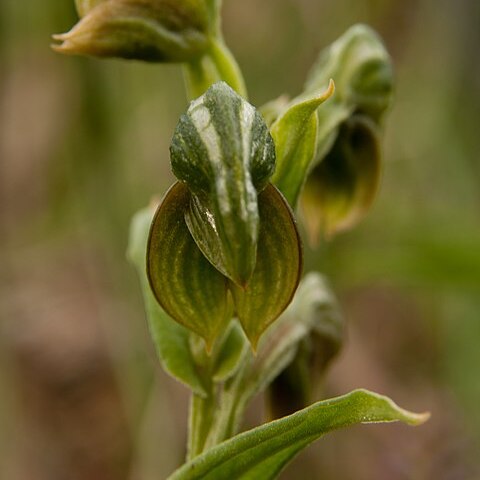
(331, 87)
(209, 342)
(154, 202)
(421, 418)
(254, 344)
(62, 43)
(241, 280)
(57, 47)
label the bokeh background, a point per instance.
(84, 144)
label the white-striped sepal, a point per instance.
(223, 151)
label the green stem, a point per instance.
(214, 13)
(201, 407)
(216, 65)
(233, 400)
(201, 416)
(228, 67)
(216, 418)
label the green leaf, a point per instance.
(264, 451)
(277, 271)
(157, 31)
(170, 338)
(340, 190)
(316, 308)
(223, 151)
(183, 281)
(295, 136)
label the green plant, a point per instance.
(220, 259)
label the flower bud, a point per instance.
(223, 151)
(361, 69)
(197, 295)
(342, 177)
(202, 253)
(341, 188)
(150, 30)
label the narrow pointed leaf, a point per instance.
(264, 451)
(223, 151)
(170, 338)
(185, 284)
(295, 136)
(159, 31)
(277, 271)
(340, 190)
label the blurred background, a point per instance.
(84, 144)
